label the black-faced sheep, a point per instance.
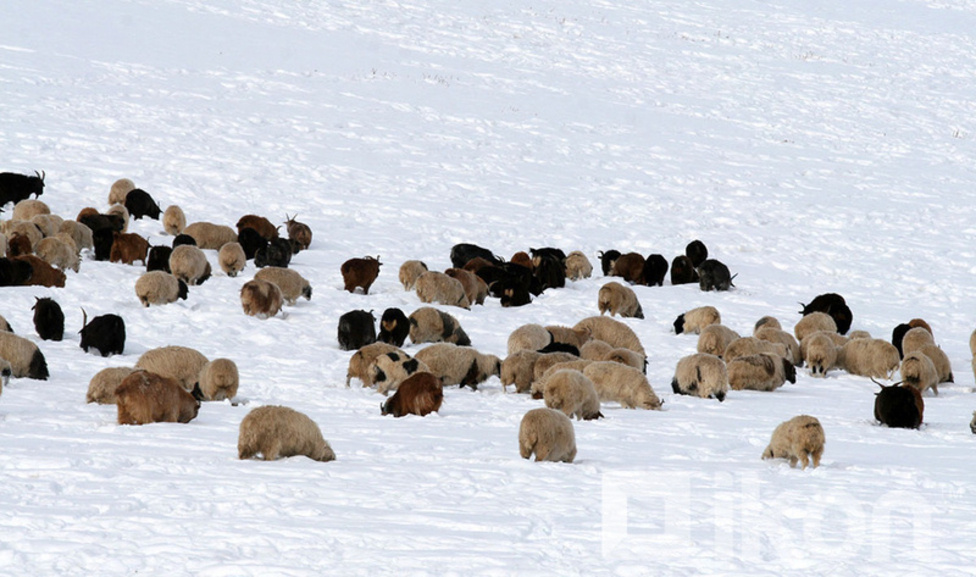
(752, 346)
(232, 259)
(813, 322)
(105, 334)
(145, 397)
(277, 253)
(820, 353)
(101, 388)
(128, 248)
(26, 360)
(390, 369)
(530, 337)
(291, 283)
(655, 269)
(619, 299)
(683, 271)
(697, 319)
(174, 221)
(421, 394)
(179, 363)
(629, 266)
(701, 375)
(456, 365)
(784, 338)
(356, 329)
(158, 259)
(118, 190)
(899, 406)
(360, 273)
(623, 384)
(48, 319)
(394, 327)
(518, 369)
(182, 239)
(834, 305)
(429, 325)
(17, 187)
(463, 252)
(548, 434)
(874, 358)
(275, 432)
(298, 232)
(607, 258)
(697, 252)
(210, 236)
(437, 287)
(410, 271)
(361, 360)
(189, 264)
(760, 372)
(42, 274)
(573, 393)
(799, 439)
(714, 339)
(261, 224)
(28, 209)
(218, 380)
(578, 266)
(918, 371)
(58, 253)
(611, 331)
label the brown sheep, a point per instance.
(573, 393)
(44, 274)
(629, 266)
(421, 394)
(522, 258)
(261, 298)
(474, 287)
(145, 397)
(128, 248)
(209, 235)
(260, 224)
(19, 244)
(218, 380)
(410, 271)
(437, 287)
(518, 369)
(298, 232)
(174, 221)
(360, 273)
(798, 439)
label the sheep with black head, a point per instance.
(105, 333)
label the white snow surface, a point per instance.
(813, 146)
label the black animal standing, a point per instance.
(655, 269)
(184, 239)
(462, 253)
(105, 333)
(682, 271)
(834, 305)
(394, 327)
(48, 319)
(103, 239)
(251, 241)
(17, 187)
(140, 204)
(697, 252)
(714, 275)
(356, 329)
(158, 259)
(607, 258)
(899, 406)
(15, 272)
(277, 253)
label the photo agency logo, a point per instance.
(677, 515)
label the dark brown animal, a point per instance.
(128, 248)
(44, 274)
(899, 406)
(629, 266)
(87, 211)
(262, 225)
(522, 258)
(298, 232)
(360, 272)
(19, 244)
(421, 394)
(145, 397)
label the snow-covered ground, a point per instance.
(814, 147)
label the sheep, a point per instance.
(520, 258)
(626, 357)
(159, 288)
(548, 434)
(261, 299)
(915, 339)
(859, 335)
(19, 245)
(298, 232)
(570, 336)
(189, 264)
(28, 209)
(437, 287)
(361, 360)
(623, 384)
(813, 322)
(784, 338)
(275, 431)
(179, 363)
(394, 327)
(261, 224)
(611, 331)
(714, 339)
(899, 406)
(105, 334)
(388, 370)
(144, 397)
(766, 322)
(474, 288)
(158, 259)
(232, 260)
(81, 234)
(607, 258)
(629, 266)
(57, 253)
(696, 319)
(799, 439)
(573, 393)
(918, 371)
(48, 319)
(750, 346)
(683, 271)
(549, 269)
(26, 360)
(697, 252)
(578, 266)
(530, 337)
(121, 212)
(139, 204)
(456, 365)
(518, 369)
(17, 187)
(820, 353)
(596, 350)
(409, 272)
(760, 372)
(421, 394)
(182, 239)
(120, 188)
(943, 367)
(208, 235)
(356, 329)
(655, 269)
(619, 299)
(429, 325)
(875, 358)
(218, 380)
(43, 274)
(701, 374)
(101, 388)
(572, 365)
(714, 275)
(24, 228)
(834, 305)
(463, 252)
(15, 272)
(251, 242)
(360, 273)
(277, 253)
(128, 248)
(292, 284)
(543, 364)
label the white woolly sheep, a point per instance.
(762, 372)
(120, 188)
(189, 264)
(714, 339)
(578, 266)
(531, 337)
(619, 300)
(410, 271)
(218, 380)
(49, 224)
(209, 235)
(569, 336)
(814, 322)
(576, 365)
(820, 353)
(429, 325)
(518, 369)
(767, 321)
(58, 254)
(261, 299)
(26, 360)
(915, 339)
(81, 234)
(697, 319)
(542, 364)
(144, 397)
(179, 363)
(626, 357)
(701, 374)
(232, 259)
(874, 358)
(389, 370)
(174, 221)
(799, 439)
(361, 360)
(622, 384)
(28, 209)
(291, 283)
(437, 287)
(918, 371)
(456, 365)
(101, 388)
(123, 213)
(784, 338)
(859, 335)
(943, 367)
(548, 434)
(573, 393)
(158, 287)
(611, 331)
(274, 431)
(752, 346)
(595, 350)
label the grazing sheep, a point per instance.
(766, 322)
(292, 284)
(611, 331)
(518, 369)
(232, 260)
(179, 363)
(15, 272)
(128, 248)
(360, 273)
(619, 299)
(530, 337)
(275, 431)
(121, 212)
(437, 287)
(578, 266)
(120, 188)
(607, 259)
(463, 252)
(101, 388)
(48, 319)
(390, 369)
(629, 266)
(174, 221)
(48, 224)
(714, 339)
(474, 288)
(683, 271)
(548, 434)
(701, 374)
(105, 333)
(799, 439)
(834, 305)
(899, 406)
(874, 358)
(744, 346)
(761, 372)
(139, 204)
(596, 350)
(26, 360)
(429, 325)
(623, 384)
(573, 393)
(394, 327)
(144, 397)
(251, 242)
(784, 338)
(159, 288)
(655, 269)
(81, 234)
(58, 253)
(298, 232)
(543, 364)
(410, 271)
(918, 371)
(42, 273)
(189, 264)
(362, 360)
(456, 365)
(261, 224)
(714, 275)
(915, 339)
(813, 322)
(182, 239)
(820, 353)
(277, 253)
(943, 367)
(356, 329)
(19, 245)
(859, 335)
(24, 228)
(211, 236)
(421, 394)
(697, 252)
(218, 380)
(626, 357)
(570, 336)
(697, 319)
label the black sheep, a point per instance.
(714, 275)
(550, 271)
(17, 187)
(394, 327)
(48, 319)
(184, 239)
(462, 253)
(697, 252)
(655, 269)
(251, 241)
(103, 239)
(277, 253)
(834, 305)
(899, 406)
(356, 329)
(15, 272)
(607, 258)
(140, 204)
(105, 333)
(682, 271)
(158, 259)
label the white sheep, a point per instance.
(274, 431)
(179, 363)
(701, 374)
(189, 264)
(548, 434)
(219, 379)
(437, 287)
(595, 350)
(159, 287)
(767, 321)
(232, 259)
(122, 212)
(531, 337)
(49, 224)
(760, 372)
(799, 439)
(174, 221)
(542, 365)
(812, 323)
(626, 357)
(101, 388)
(518, 369)
(714, 339)
(618, 299)
(209, 235)
(611, 331)
(874, 358)
(918, 370)
(429, 325)
(696, 319)
(291, 283)
(578, 266)
(752, 346)
(57, 253)
(390, 369)
(120, 188)
(820, 352)
(573, 393)
(455, 365)
(915, 339)
(410, 271)
(361, 361)
(784, 338)
(26, 360)
(570, 336)
(81, 234)
(622, 384)
(28, 209)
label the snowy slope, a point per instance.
(814, 147)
